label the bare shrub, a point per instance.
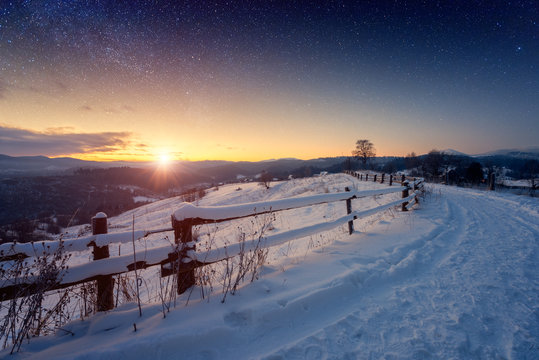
(167, 293)
(205, 275)
(125, 290)
(252, 255)
(168, 290)
(33, 311)
(85, 297)
(193, 194)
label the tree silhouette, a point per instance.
(265, 179)
(530, 170)
(474, 173)
(411, 161)
(364, 150)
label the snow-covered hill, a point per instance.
(455, 278)
(524, 153)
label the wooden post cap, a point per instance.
(99, 224)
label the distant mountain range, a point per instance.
(454, 152)
(530, 152)
(210, 169)
(42, 165)
(215, 170)
(524, 153)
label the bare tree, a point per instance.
(364, 150)
(474, 173)
(411, 161)
(265, 179)
(432, 163)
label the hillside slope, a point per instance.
(455, 278)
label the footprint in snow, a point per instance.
(237, 319)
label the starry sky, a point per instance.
(254, 80)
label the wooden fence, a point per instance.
(183, 258)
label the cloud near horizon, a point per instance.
(55, 142)
(85, 108)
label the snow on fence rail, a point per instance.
(183, 258)
(12, 251)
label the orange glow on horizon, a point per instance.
(163, 159)
(108, 157)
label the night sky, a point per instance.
(259, 80)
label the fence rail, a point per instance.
(12, 251)
(183, 258)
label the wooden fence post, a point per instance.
(403, 177)
(404, 195)
(366, 177)
(374, 178)
(349, 211)
(391, 180)
(183, 236)
(416, 187)
(383, 175)
(491, 181)
(105, 283)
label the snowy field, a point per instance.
(519, 183)
(457, 277)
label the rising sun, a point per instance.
(164, 159)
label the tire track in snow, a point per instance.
(352, 330)
(496, 260)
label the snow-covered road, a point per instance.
(467, 288)
(457, 277)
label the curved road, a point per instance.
(469, 288)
